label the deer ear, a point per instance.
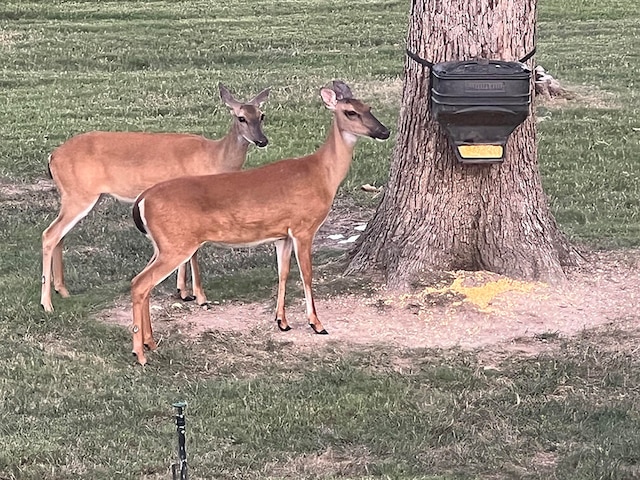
(342, 90)
(329, 98)
(227, 98)
(259, 99)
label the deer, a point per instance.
(124, 164)
(283, 202)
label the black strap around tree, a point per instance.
(420, 60)
(528, 55)
(428, 64)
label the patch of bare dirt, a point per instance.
(20, 190)
(469, 310)
(18, 194)
(352, 461)
(343, 226)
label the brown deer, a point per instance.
(283, 202)
(123, 164)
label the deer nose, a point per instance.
(263, 142)
(382, 134)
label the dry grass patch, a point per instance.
(585, 96)
(8, 38)
(349, 461)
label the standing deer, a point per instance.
(284, 202)
(123, 164)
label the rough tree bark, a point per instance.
(438, 214)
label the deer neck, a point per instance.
(336, 154)
(233, 149)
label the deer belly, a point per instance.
(241, 244)
(124, 199)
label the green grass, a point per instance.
(91, 414)
(589, 151)
(74, 403)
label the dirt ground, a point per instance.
(463, 309)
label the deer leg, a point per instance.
(283, 255)
(147, 331)
(181, 283)
(302, 248)
(196, 280)
(196, 283)
(70, 214)
(139, 304)
(157, 270)
(58, 270)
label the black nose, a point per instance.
(261, 143)
(382, 134)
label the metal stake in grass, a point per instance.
(180, 469)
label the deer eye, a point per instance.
(242, 120)
(351, 114)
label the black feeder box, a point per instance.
(479, 103)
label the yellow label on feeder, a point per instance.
(480, 151)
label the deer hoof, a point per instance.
(319, 332)
(188, 298)
(142, 360)
(63, 292)
(286, 328)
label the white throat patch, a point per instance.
(349, 138)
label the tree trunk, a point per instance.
(439, 214)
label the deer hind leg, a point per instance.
(196, 280)
(70, 214)
(283, 254)
(198, 292)
(181, 284)
(302, 248)
(159, 268)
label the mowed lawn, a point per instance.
(75, 404)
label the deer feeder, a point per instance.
(479, 103)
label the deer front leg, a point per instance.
(147, 331)
(159, 268)
(71, 212)
(45, 293)
(139, 304)
(302, 248)
(58, 270)
(141, 287)
(283, 255)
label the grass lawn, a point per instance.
(74, 403)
